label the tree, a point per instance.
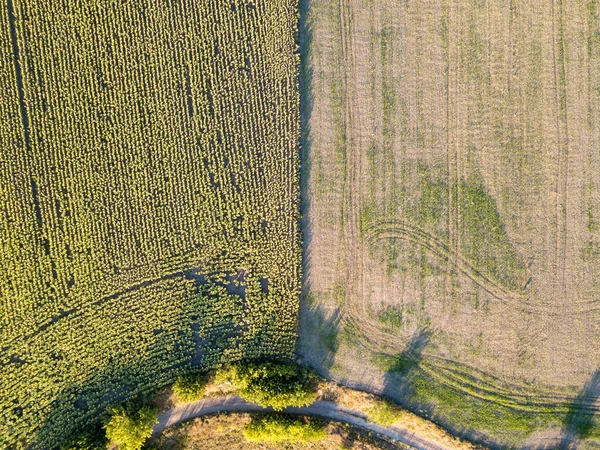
(129, 427)
(270, 384)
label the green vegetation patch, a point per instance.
(279, 428)
(483, 239)
(391, 316)
(149, 222)
(452, 406)
(130, 427)
(270, 384)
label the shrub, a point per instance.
(190, 387)
(280, 428)
(129, 427)
(270, 384)
(383, 413)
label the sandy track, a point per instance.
(329, 410)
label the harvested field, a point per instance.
(148, 171)
(452, 199)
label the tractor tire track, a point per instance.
(354, 263)
(529, 402)
(562, 139)
(517, 299)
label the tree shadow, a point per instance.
(81, 409)
(578, 424)
(411, 357)
(403, 365)
(320, 336)
(209, 330)
(403, 373)
(306, 107)
(354, 437)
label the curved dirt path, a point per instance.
(329, 410)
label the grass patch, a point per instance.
(339, 123)
(452, 406)
(391, 316)
(483, 238)
(269, 384)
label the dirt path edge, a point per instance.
(326, 409)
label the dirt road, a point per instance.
(329, 410)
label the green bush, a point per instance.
(279, 428)
(129, 427)
(270, 384)
(190, 387)
(383, 413)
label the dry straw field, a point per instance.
(453, 210)
(149, 185)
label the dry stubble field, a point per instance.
(453, 210)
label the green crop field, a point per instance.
(148, 177)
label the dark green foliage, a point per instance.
(190, 387)
(93, 438)
(270, 384)
(383, 413)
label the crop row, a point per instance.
(149, 162)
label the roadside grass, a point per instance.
(482, 404)
(448, 405)
(475, 413)
(386, 412)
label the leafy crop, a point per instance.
(148, 171)
(92, 438)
